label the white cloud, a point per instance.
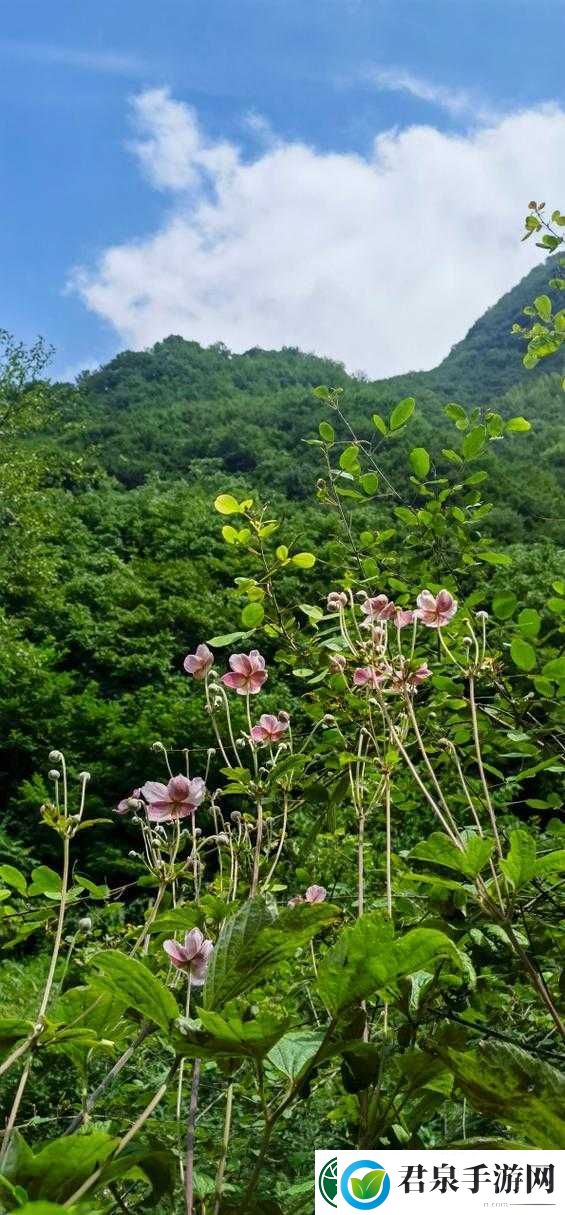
(459, 103)
(112, 63)
(383, 262)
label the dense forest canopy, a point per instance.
(113, 567)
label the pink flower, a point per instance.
(179, 798)
(336, 599)
(379, 608)
(199, 664)
(269, 729)
(408, 679)
(247, 673)
(192, 957)
(435, 610)
(369, 675)
(403, 617)
(124, 806)
(314, 894)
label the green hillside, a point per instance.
(115, 567)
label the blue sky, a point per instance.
(286, 87)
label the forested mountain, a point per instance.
(113, 567)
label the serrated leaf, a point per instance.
(139, 989)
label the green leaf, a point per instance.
(216, 1035)
(542, 305)
(504, 605)
(13, 877)
(523, 654)
(507, 1085)
(455, 412)
(529, 622)
(59, 1168)
(255, 941)
(552, 862)
(439, 849)
(226, 504)
(177, 920)
(367, 958)
(492, 558)
(295, 1051)
(252, 615)
(230, 534)
(402, 412)
(133, 983)
(420, 461)
(474, 442)
(369, 483)
(519, 865)
(379, 423)
(555, 668)
(321, 392)
(326, 432)
(45, 881)
(227, 639)
(349, 459)
(518, 425)
(304, 561)
(97, 892)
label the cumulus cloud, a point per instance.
(381, 261)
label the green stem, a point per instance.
(225, 1147)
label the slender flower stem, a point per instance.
(453, 835)
(480, 765)
(181, 1072)
(414, 723)
(388, 834)
(225, 1147)
(189, 1163)
(144, 934)
(108, 1079)
(281, 841)
(46, 990)
(137, 1125)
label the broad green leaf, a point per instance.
(523, 654)
(518, 425)
(226, 1035)
(304, 561)
(369, 483)
(529, 622)
(321, 392)
(474, 442)
(493, 558)
(230, 534)
(133, 982)
(519, 865)
(227, 639)
(552, 862)
(420, 461)
(59, 1168)
(12, 1029)
(555, 668)
(326, 432)
(294, 1052)
(13, 877)
(439, 849)
(504, 605)
(226, 504)
(379, 424)
(255, 941)
(45, 881)
(252, 615)
(402, 412)
(177, 920)
(455, 412)
(349, 459)
(542, 305)
(504, 1083)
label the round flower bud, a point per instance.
(85, 924)
(84, 776)
(284, 717)
(54, 774)
(55, 757)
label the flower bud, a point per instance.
(55, 757)
(84, 776)
(197, 832)
(284, 717)
(337, 663)
(54, 774)
(328, 719)
(85, 924)
(482, 615)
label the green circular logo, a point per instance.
(327, 1182)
